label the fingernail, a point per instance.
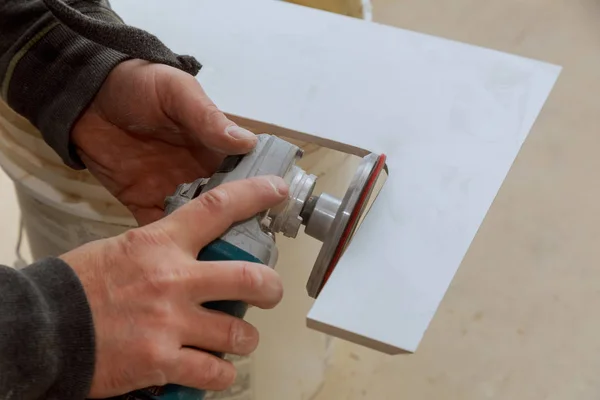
(279, 185)
(245, 343)
(240, 133)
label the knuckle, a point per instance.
(212, 114)
(163, 312)
(250, 277)
(166, 279)
(233, 334)
(132, 243)
(154, 356)
(133, 237)
(137, 241)
(213, 374)
(215, 201)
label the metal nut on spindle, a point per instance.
(286, 218)
(319, 215)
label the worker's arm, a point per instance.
(144, 288)
(49, 74)
(46, 333)
(141, 126)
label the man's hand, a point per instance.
(145, 289)
(150, 128)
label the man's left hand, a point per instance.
(150, 128)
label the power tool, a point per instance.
(326, 218)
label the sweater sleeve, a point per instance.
(48, 73)
(55, 56)
(46, 333)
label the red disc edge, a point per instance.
(354, 218)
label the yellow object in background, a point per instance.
(351, 8)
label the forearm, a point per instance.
(46, 333)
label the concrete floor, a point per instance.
(520, 320)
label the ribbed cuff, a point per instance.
(56, 77)
(70, 323)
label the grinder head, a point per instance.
(328, 219)
(346, 219)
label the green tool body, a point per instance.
(219, 250)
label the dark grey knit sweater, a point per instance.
(54, 58)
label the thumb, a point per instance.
(205, 218)
(185, 101)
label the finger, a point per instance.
(145, 216)
(251, 283)
(205, 218)
(200, 370)
(216, 331)
(190, 107)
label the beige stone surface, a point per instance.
(522, 317)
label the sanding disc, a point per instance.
(354, 207)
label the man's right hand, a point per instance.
(145, 290)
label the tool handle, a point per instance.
(220, 250)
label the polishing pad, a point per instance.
(354, 206)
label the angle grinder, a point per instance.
(326, 218)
